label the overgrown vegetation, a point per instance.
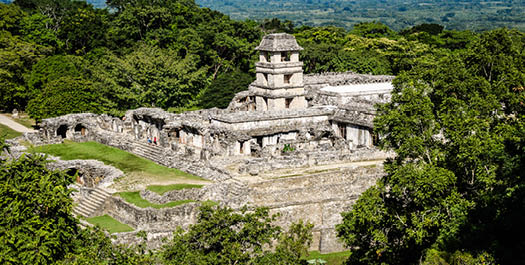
(108, 223)
(127, 162)
(222, 236)
(455, 191)
(175, 55)
(336, 258)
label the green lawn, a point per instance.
(8, 133)
(127, 162)
(161, 189)
(134, 197)
(110, 224)
(335, 258)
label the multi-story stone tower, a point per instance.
(279, 83)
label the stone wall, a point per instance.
(165, 219)
(154, 238)
(317, 198)
(91, 173)
(346, 78)
(195, 194)
(312, 158)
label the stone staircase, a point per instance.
(157, 154)
(92, 203)
(236, 187)
(151, 152)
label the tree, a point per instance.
(456, 187)
(222, 236)
(83, 28)
(10, 16)
(94, 246)
(222, 90)
(36, 225)
(154, 77)
(16, 58)
(373, 30)
(66, 95)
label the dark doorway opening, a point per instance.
(61, 131)
(80, 128)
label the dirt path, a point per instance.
(13, 124)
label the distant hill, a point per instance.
(95, 3)
(398, 14)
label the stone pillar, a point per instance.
(246, 148)
(237, 148)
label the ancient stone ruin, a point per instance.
(302, 145)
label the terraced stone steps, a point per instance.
(92, 203)
(157, 154)
(153, 153)
(236, 187)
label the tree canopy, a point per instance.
(455, 189)
(176, 55)
(36, 225)
(222, 236)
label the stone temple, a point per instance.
(302, 145)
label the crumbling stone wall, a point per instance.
(204, 142)
(196, 194)
(91, 173)
(165, 219)
(317, 198)
(344, 78)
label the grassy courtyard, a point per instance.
(335, 258)
(108, 223)
(136, 169)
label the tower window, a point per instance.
(287, 102)
(265, 76)
(285, 56)
(287, 79)
(266, 56)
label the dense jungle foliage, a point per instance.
(455, 192)
(59, 57)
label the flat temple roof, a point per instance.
(359, 88)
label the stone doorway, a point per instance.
(62, 130)
(80, 128)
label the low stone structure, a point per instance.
(89, 173)
(302, 145)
